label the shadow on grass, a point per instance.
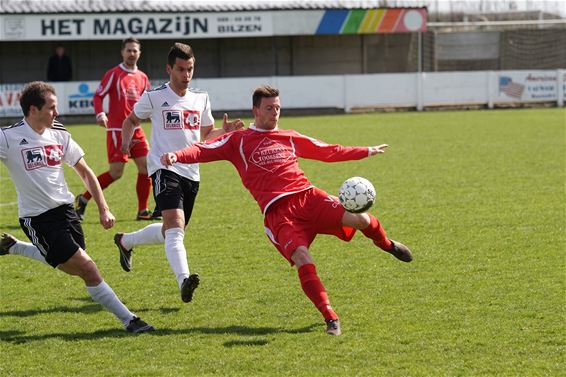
(18, 337)
(91, 308)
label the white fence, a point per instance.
(347, 92)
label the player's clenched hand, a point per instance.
(168, 159)
(233, 125)
(377, 149)
(107, 219)
(102, 120)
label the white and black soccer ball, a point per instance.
(356, 194)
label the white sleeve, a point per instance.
(143, 108)
(3, 146)
(207, 118)
(73, 153)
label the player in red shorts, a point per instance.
(294, 210)
(123, 84)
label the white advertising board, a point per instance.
(346, 92)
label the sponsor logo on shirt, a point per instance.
(38, 157)
(24, 141)
(181, 119)
(269, 155)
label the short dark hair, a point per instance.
(130, 40)
(264, 91)
(181, 51)
(34, 94)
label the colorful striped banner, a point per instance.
(371, 21)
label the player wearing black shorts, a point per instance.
(34, 150)
(180, 117)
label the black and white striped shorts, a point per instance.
(57, 233)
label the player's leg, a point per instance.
(371, 228)
(314, 289)
(151, 234)
(287, 229)
(139, 152)
(58, 234)
(176, 252)
(143, 189)
(11, 245)
(80, 264)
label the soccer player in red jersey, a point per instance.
(123, 84)
(294, 210)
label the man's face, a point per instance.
(131, 54)
(48, 112)
(267, 114)
(181, 74)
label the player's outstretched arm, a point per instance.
(377, 149)
(88, 177)
(210, 132)
(128, 127)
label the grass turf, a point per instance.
(477, 195)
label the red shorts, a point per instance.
(140, 146)
(295, 220)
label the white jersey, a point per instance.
(35, 165)
(175, 124)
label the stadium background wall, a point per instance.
(23, 61)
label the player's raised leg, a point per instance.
(371, 228)
(150, 235)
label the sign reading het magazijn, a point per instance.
(210, 25)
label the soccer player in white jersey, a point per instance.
(180, 117)
(34, 150)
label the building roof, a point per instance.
(147, 6)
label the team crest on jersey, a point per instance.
(181, 119)
(48, 155)
(269, 155)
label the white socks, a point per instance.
(106, 297)
(149, 235)
(176, 253)
(174, 247)
(28, 250)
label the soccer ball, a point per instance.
(356, 194)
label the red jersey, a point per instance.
(124, 87)
(267, 161)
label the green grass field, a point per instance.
(479, 196)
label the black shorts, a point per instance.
(57, 233)
(171, 191)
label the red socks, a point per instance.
(377, 234)
(104, 179)
(313, 288)
(143, 187)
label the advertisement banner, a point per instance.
(10, 100)
(108, 26)
(526, 86)
(142, 25)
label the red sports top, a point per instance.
(267, 161)
(124, 87)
